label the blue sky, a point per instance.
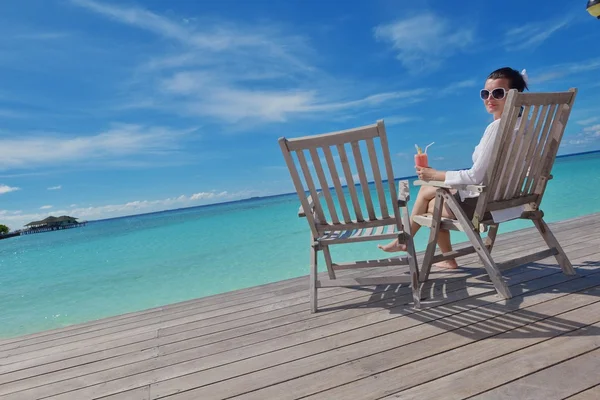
(110, 108)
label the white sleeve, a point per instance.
(475, 174)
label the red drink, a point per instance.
(421, 160)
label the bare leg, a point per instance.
(445, 246)
(426, 195)
(443, 241)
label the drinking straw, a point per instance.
(428, 146)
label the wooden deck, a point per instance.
(262, 342)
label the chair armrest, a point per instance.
(440, 184)
(311, 204)
(403, 193)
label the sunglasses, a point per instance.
(498, 94)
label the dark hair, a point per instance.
(514, 77)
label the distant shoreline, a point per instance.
(249, 199)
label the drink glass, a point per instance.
(421, 160)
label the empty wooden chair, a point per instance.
(320, 167)
(529, 134)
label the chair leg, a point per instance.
(433, 235)
(313, 277)
(552, 242)
(412, 257)
(328, 262)
(491, 237)
(480, 248)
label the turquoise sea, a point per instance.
(111, 267)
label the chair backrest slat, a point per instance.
(513, 147)
(311, 186)
(332, 152)
(377, 178)
(324, 184)
(539, 118)
(349, 181)
(524, 138)
(387, 161)
(550, 149)
(362, 177)
(529, 135)
(337, 184)
(535, 161)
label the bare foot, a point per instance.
(393, 246)
(448, 264)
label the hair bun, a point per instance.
(525, 76)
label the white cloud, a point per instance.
(533, 34)
(588, 121)
(7, 189)
(398, 119)
(45, 207)
(232, 73)
(455, 87)
(17, 220)
(558, 71)
(424, 41)
(588, 135)
(119, 142)
(55, 187)
(593, 130)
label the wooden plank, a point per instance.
(351, 282)
(575, 374)
(333, 138)
(364, 183)
(589, 394)
(463, 348)
(335, 177)
(324, 185)
(350, 181)
(377, 178)
(373, 353)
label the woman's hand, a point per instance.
(430, 174)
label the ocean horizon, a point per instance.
(409, 177)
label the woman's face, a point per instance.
(493, 105)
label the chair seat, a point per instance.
(360, 235)
(447, 223)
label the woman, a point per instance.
(493, 95)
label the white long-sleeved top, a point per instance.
(481, 160)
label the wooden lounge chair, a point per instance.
(332, 220)
(529, 134)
